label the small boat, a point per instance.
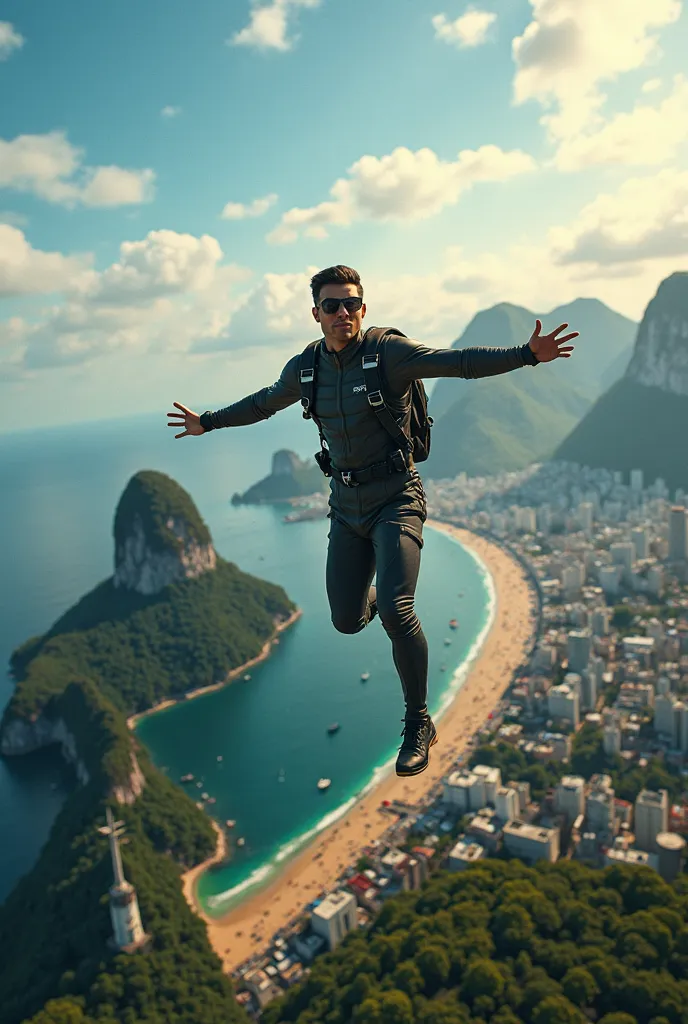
(241, 841)
(447, 641)
(205, 796)
(335, 727)
(453, 624)
(199, 785)
(230, 823)
(247, 676)
(365, 676)
(187, 778)
(219, 757)
(212, 799)
(324, 783)
(443, 668)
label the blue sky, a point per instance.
(171, 175)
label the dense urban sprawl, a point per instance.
(586, 756)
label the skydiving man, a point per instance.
(377, 501)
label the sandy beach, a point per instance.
(240, 671)
(318, 865)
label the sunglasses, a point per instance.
(351, 304)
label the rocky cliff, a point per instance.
(160, 537)
(642, 420)
(290, 477)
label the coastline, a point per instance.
(189, 877)
(242, 931)
(169, 702)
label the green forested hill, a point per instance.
(501, 943)
(508, 421)
(116, 652)
(141, 649)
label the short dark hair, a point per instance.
(334, 275)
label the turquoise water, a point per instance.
(60, 492)
(271, 731)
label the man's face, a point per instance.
(342, 325)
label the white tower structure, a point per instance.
(678, 533)
(124, 906)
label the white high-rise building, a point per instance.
(655, 580)
(531, 842)
(588, 695)
(651, 818)
(609, 577)
(612, 739)
(584, 515)
(491, 779)
(563, 702)
(636, 479)
(507, 803)
(124, 905)
(578, 649)
(640, 539)
(623, 554)
(664, 716)
(334, 917)
(569, 797)
(678, 534)
(601, 618)
(573, 578)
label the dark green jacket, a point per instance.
(353, 432)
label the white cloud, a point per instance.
(170, 112)
(10, 39)
(646, 135)
(571, 46)
(470, 29)
(50, 167)
(256, 208)
(164, 292)
(276, 312)
(651, 85)
(403, 185)
(269, 25)
(646, 219)
(25, 270)
(18, 220)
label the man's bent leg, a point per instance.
(348, 576)
(398, 562)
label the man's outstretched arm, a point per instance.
(407, 360)
(261, 404)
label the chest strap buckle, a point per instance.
(347, 481)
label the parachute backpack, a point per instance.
(416, 442)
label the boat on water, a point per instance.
(199, 785)
(230, 823)
(324, 783)
(187, 778)
(247, 676)
(453, 624)
(241, 841)
(212, 799)
(365, 676)
(219, 757)
(335, 727)
(205, 796)
(447, 641)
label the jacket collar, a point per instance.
(347, 355)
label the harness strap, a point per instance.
(308, 377)
(376, 400)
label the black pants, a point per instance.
(386, 539)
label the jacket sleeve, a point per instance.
(407, 360)
(261, 404)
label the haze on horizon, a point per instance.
(170, 178)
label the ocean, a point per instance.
(259, 746)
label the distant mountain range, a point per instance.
(642, 420)
(506, 422)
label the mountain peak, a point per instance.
(160, 537)
(660, 358)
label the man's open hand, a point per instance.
(548, 347)
(191, 421)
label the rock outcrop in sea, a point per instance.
(290, 477)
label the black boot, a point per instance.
(419, 735)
